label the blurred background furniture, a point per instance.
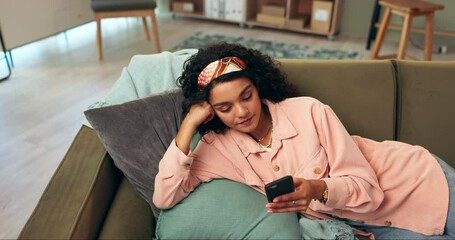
(373, 31)
(122, 8)
(24, 22)
(5, 57)
(319, 17)
(407, 9)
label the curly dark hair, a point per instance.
(262, 70)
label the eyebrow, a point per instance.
(241, 93)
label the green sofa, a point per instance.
(88, 197)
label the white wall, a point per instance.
(24, 21)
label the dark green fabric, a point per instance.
(362, 93)
(79, 194)
(223, 209)
(116, 5)
(129, 217)
(426, 109)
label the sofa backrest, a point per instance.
(362, 93)
(426, 106)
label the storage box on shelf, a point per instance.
(274, 10)
(183, 7)
(298, 23)
(192, 8)
(272, 14)
(299, 14)
(321, 17)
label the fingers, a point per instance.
(290, 206)
(297, 201)
(201, 113)
(291, 202)
(298, 194)
(297, 182)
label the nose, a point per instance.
(242, 111)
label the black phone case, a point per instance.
(279, 187)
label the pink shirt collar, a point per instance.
(282, 129)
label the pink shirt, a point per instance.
(379, 183)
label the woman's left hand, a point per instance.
(300, 199)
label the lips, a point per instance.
(247, 122)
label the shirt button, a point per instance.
(276, 168)
(317, 171)
(388, 223)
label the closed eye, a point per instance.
(248, 97)
(224, 109)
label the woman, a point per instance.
(254, 133)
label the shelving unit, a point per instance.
(294, 11)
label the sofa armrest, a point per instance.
(129, 217)
(79, 195)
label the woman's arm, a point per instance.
(352, 184)
(174, 180)
(198, 114)
(179, 174)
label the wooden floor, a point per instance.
(55, 79)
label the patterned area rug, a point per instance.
(274, 49)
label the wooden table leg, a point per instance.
(404, 36)
(146, 28)
(381, 34)
(429, 27)
(155, 32)
(99, 41)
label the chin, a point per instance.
(246, 129)
(252, 127)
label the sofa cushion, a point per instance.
(362, 93)
(425, 106)
(223, 209)
(137, 133)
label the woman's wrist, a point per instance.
(189, 123)
(184, 136)
(320, 192)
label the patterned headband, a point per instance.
(218, 68)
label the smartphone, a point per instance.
(279, 187)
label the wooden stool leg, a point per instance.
(404, 36)
(146, 28)
(429, 27)
(381, 34)
(99, 42)
(155, 31)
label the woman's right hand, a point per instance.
(199, 113)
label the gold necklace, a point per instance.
(270, 141)
(268, 130)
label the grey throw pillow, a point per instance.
(136, 134)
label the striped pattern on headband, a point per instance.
(218, 68)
